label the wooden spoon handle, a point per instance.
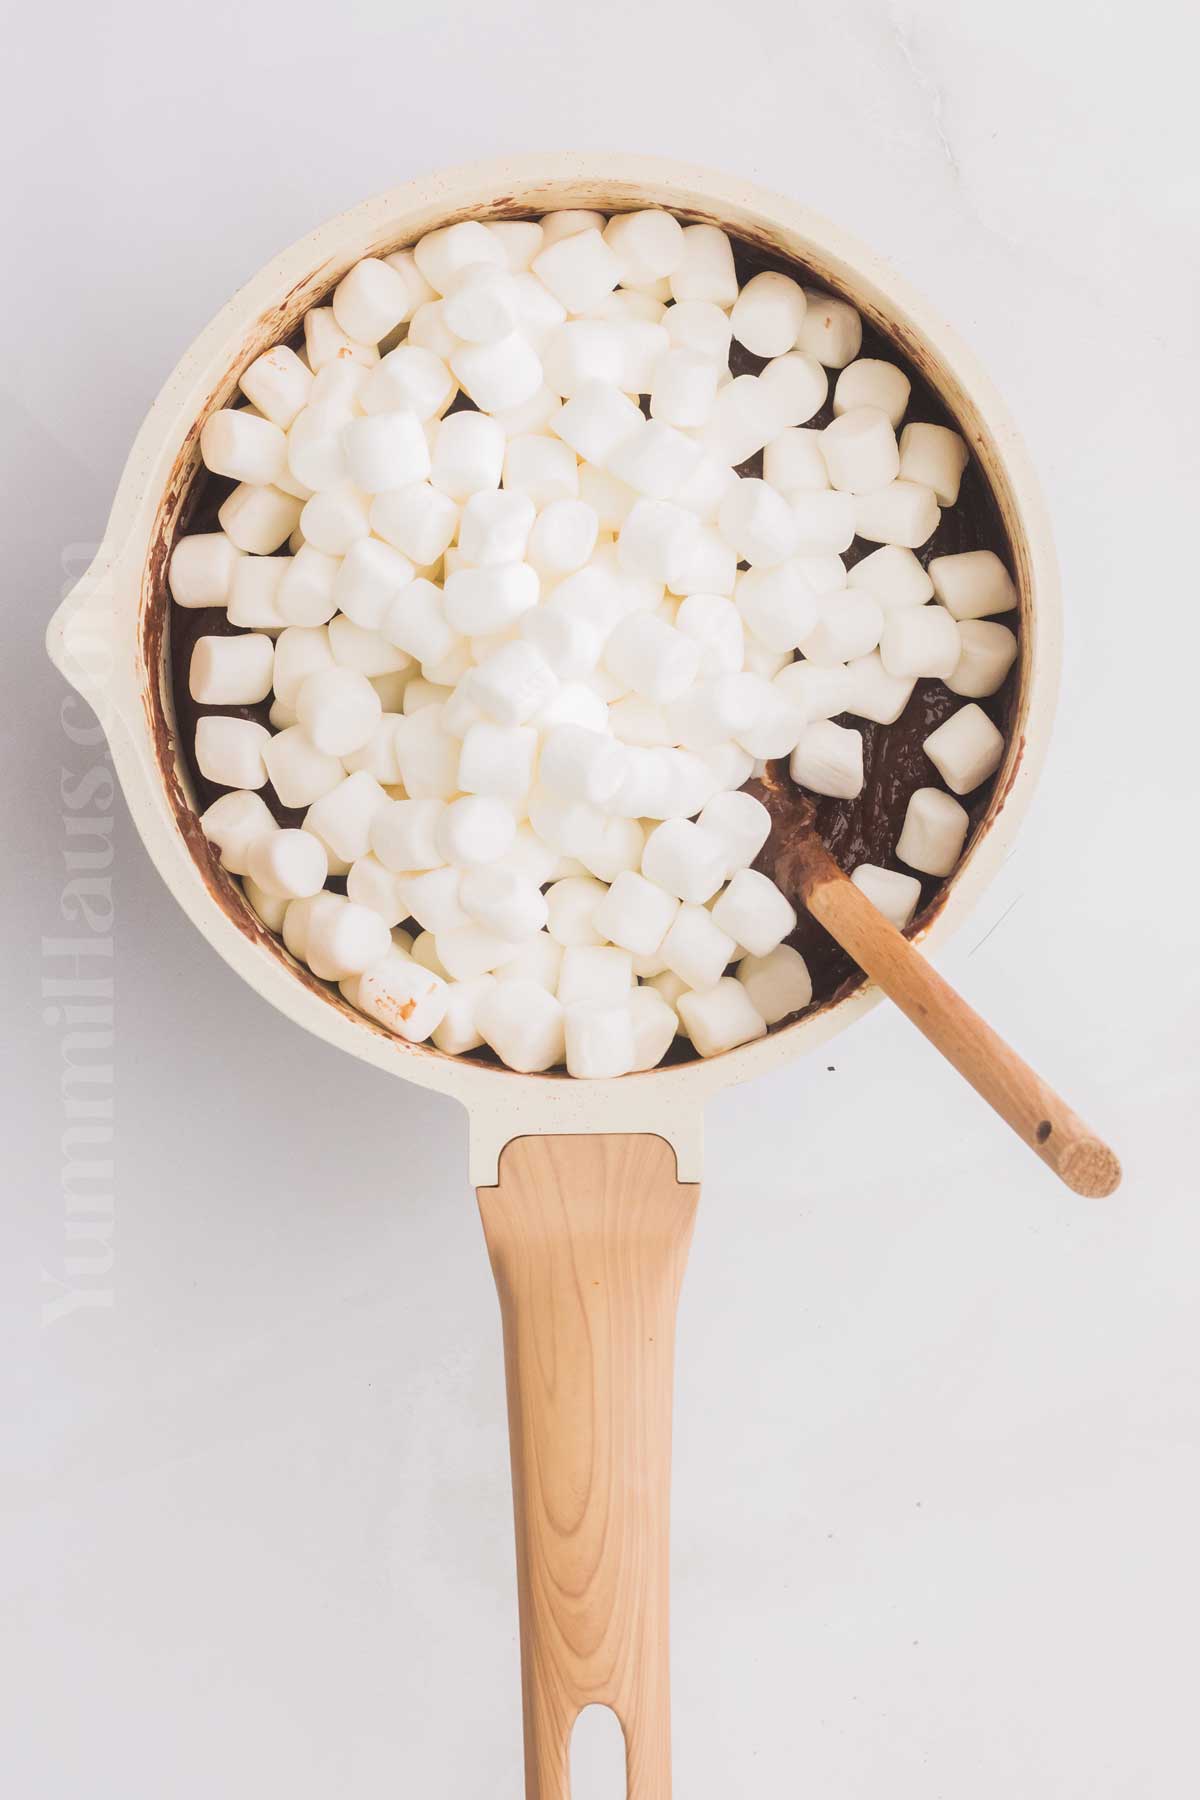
(588, 1238)
(1036, 1113)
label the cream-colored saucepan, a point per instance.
(587, 1188)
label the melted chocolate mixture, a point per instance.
(861, 830)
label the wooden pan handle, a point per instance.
(588, 1238)
(1036, 1113)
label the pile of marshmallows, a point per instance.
(523, 657)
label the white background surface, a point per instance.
(937, 1429)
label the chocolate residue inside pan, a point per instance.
(861, 830)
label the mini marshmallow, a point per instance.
(474, 830)
(705, 268)
(271, 911)
(919, 641)
(579, 270)
(849, 624)
(596, 420)
(934, 456)
(768, 314)
(720, 1017)
(581, 764)
(986, 653)
(557, 225)
(336, 519)
(481, 305)
(404, 834)
(901, 513)
(478, 601)
(342, 818)
(685, 860)
(874, 694)
(278, 384)
(417, 520)
(512, 683)
(443, 254)
(316, 455)
(297, 919)
(647, 246)
(378, 755)
(571, 904)
(895, 895)
(745, 416)
(385, 450)
(432, 900)
(754, 913)
(831, 330)
(655, 461)
(244, 447)
(371, 300)
(573, 704)
(541, 468)
(299, 772)
(860, 451)
(502, 902)
(894, 576)
(427, 754)
(308, 590)
(581, 353)
(404, 998)
(777, 984)
(696, 948)
(594, 974)
(326, 344)
(741, 823)
(820, 691)
(599, 1042)
(339, 709)
(458, 1030)
(538, 413)
(344, 939)
(230, 751)
(935, 828)
(419, 290)
(828, 760)
(973, 584)
(499, 375)
(715, 626)
(497, 759)
(254, 593)
(563, 538)
(642, 347)
(235, 822)
(410, 379)
(793, 463)
(635, 913)
(539, 959)
(416, 622)
(868, 382)
(523, 1024)
(652, 658)
(654, 1027)
(795, 387)
(965, 749)
(703, 563)
(777, 605)
(495, 528)
(259, 519)
(368, 652)
(468, 455)
(684, 388)
(567, 644)
(201, 570)
(653, 538)
(759, 523)
(824, 522)
(231, 671)
(288, 865)
(428, 330)
(520, 240)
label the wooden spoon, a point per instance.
(1036, 1113)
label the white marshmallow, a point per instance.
(234, 823)
(973, 585)
(326, 344)
(278, 384)
(745, 417)
(720, 1017)
(417, 520)
(654, 1027)
(371, 300)
(795, 386)
(557, 225)
(685, 860)
(754, 913)
(741, 823)
(825, 522)
(935, 827)
(934, 456)
(385, 450)
(656, 461)
(502, 902)
(699, 325)
(244, 447)
(316, 454)
(652, 658)
(793, 463)
(259, 519)
(828, 760)
(860, 451)
(416, 621)
(869, 382)
(441, 255)
(647, 245)
(541, 468)
(265, 906)
(919, 641)
(965, 749)
(777, 605)
(759, 523)
(458, 1030)
(481, 305)
(900, 513)
(468, 455)
(520, 240)
(512, 683)
(703, 563)
(478, 601)
(594, 974)
(231, 671)
(428, 330)
(344, 939)
(715, 626)
(299, 772)
(777, 984)
(428, 755)
(596, 420)
(308, 591)
(409, 379)
(539, 959)
(894, 576)
(567, 644)
(571, 904)
(288, 865)
(404, 998)
(339, 709)
(573, 704)
(583, 352)
(474, 830)
(230, 751)
(820, 691)
(895, 895)
(599, 1041)
(523, 1024)
(653, 538)
(419, 290)
(201, 570)
(497, 759)
(501, 375)
(986, 653)
(336, 519)
(298, 917)
(378, 755)
(874, 694)
(684, 388)
(342, 818)
(538, 413)
(495, 528)
(563, 538)
(849, 624)
(831, 330)
(768, 314)
(579, 270)
(696, 948)
(581, 764)
(643, 345)
(761, 660)
(254, 592)
(432, 899)
(404, 834)
(705, 268)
